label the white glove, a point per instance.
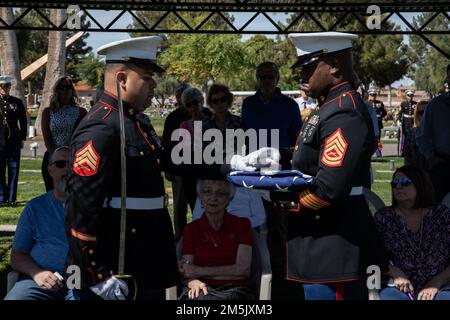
(264, 157)
(111, 289)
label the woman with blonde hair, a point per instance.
(59, 121)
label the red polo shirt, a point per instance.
(217, 248)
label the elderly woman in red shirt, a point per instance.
(217, 249)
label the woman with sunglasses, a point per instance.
(59, 121)
(416, 234)
(193, 101)
(216, 249)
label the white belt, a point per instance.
(408, 116)
(136, 203)
(356, 191)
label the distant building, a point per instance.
(86, 93)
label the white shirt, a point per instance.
(305, 104)
(245, 204)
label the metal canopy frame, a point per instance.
(221, 8)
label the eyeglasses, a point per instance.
(218, 193)
(191, 103)
(61, 163)
(266, 77)
(219, 100)
(64, 86)
(404, 182)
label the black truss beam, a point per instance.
(260, 8)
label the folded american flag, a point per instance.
(283, 180)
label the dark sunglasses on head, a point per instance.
(266, 77)
(65, 86)
(60, 163)
(219, 100)
(404, 182)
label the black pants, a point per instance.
(282, 289)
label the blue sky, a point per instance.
(97, 39)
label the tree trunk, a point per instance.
(9, 54)
(56, 64)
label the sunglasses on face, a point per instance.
(219, 100)
(61, 163)
(65, 86)
(404, 182)
(266, 77)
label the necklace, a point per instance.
(415, 247)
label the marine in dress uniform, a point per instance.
(379, 108)
(13, 131)
(94, 185)
(331, 237)
(406, 117)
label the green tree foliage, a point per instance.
(165, 88)
(90, 69)
(379, 58)
(429, 66)
(33, 44)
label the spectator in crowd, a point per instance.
(417, 157)
(380, 111)
(173, 122)
(217, 249)
(193, 101)
(272, 110)
(245, 203)
(13, 132)
(59, 121)
(304, 102)
(432, 137)
(416, 234)
(269, 109)
(406, 118)
(40, 246)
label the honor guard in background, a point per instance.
(94, 187)
(13, 132)
(331, 237)
(380, 110)
(406, 117)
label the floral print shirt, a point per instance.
(420, 255)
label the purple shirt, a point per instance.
(419, 262)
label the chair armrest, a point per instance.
(171, 293)
(374, 294)
(11, 280)
(266, 287)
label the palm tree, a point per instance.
(9, 53)
(56, 63)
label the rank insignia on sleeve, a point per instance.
(334, 150)
(86, 161)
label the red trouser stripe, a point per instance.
(340, 287)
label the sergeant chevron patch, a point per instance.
(86, 161)
(334, 150)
